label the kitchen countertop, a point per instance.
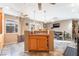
(40, 34)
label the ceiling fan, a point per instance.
(40, 5)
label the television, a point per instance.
(56, 25)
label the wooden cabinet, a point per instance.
(1, 34)
(38, 42)
(43, 43)
(32, 44)
(0, 22)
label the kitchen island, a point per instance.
(38, 41)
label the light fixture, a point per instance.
(53, 3)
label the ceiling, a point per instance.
(49, 12)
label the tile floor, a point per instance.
(18, 49)
(62, 45)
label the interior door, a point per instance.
(0, 22)
(33, 44)
(42, 43)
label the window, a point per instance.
(11, 26)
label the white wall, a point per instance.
(2, 34)
(65, 25)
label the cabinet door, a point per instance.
(42, 43)
(0, 22)
(32, 44)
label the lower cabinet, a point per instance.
(42, 44)
(38, 43)
(33, 44)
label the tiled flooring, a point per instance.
(18, 49)
(62, 45)
(13, 49)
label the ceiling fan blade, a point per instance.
(39, 6)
